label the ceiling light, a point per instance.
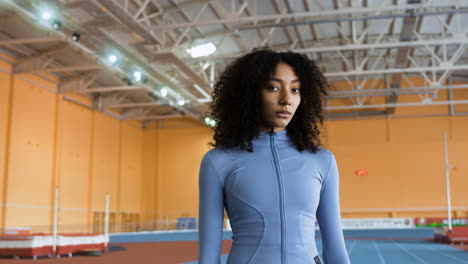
(212, 123)
(137, 76)
(46, 15)
(57, 24)
(76, 37)
(181, 102)
(207, 120)
(202, 50)
(112, 58)
(164, 92)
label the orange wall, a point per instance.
(180, 151)
(5, 105)
(74, 168)
(149, 169)
(403, 156)
(105, 162)
(31, 154)
(48, 141)
(405, 161)
(131, 169)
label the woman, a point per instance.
(267, 168)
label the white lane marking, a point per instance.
(378, 252)
(351, 247)
(409, 253)
(447, 255)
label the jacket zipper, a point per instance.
(280, 187)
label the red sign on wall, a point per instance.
(361, 172)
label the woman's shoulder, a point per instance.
(219, 151)
(322, 153)
(219, 156)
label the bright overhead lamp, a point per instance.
(46, 15)
(212, 123)
(207, 120)
(56, 24)
(76, 37)
(112, 58)
(49, 19)
(163, 92)
(181, 102)
(202, 50)
(137, 76)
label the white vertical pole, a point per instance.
(106, 218)
(447, 184)
(165, 222)
(54, 237)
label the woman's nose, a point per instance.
(285, 97)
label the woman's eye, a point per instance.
(296, 90)
(272, 88)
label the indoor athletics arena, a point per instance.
(105, 118)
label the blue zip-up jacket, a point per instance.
(272, 196)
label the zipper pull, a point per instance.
(272, 131)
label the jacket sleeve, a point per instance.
(329, 219)
(211, 214)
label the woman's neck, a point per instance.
(274, 129)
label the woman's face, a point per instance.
(279, 98)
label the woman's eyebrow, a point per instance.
(279, 80)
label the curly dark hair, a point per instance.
(236, 99)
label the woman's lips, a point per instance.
(283, 114)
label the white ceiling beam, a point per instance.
(184, 33)
(408, 29)
(170, 57)
(400, 91)
(455, 57)
(348, 12)
(10, 42)
(154, 76)
(130, 105)
(156, 117)
(327, 48)
(185, 14)
(39, 62)
(134, 112)
(221, 13)
(404, 70)
(125, 17)
(272, 30)
(250, 12)
(71, 68)
(285, 10)
(113, 89)
(382, 45)
(431, 103)
(78, 84)
(104, 101)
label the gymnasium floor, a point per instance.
(397, 251)
(364, 247)
(395, 246)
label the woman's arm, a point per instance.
(328, 215)
(211, 214)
